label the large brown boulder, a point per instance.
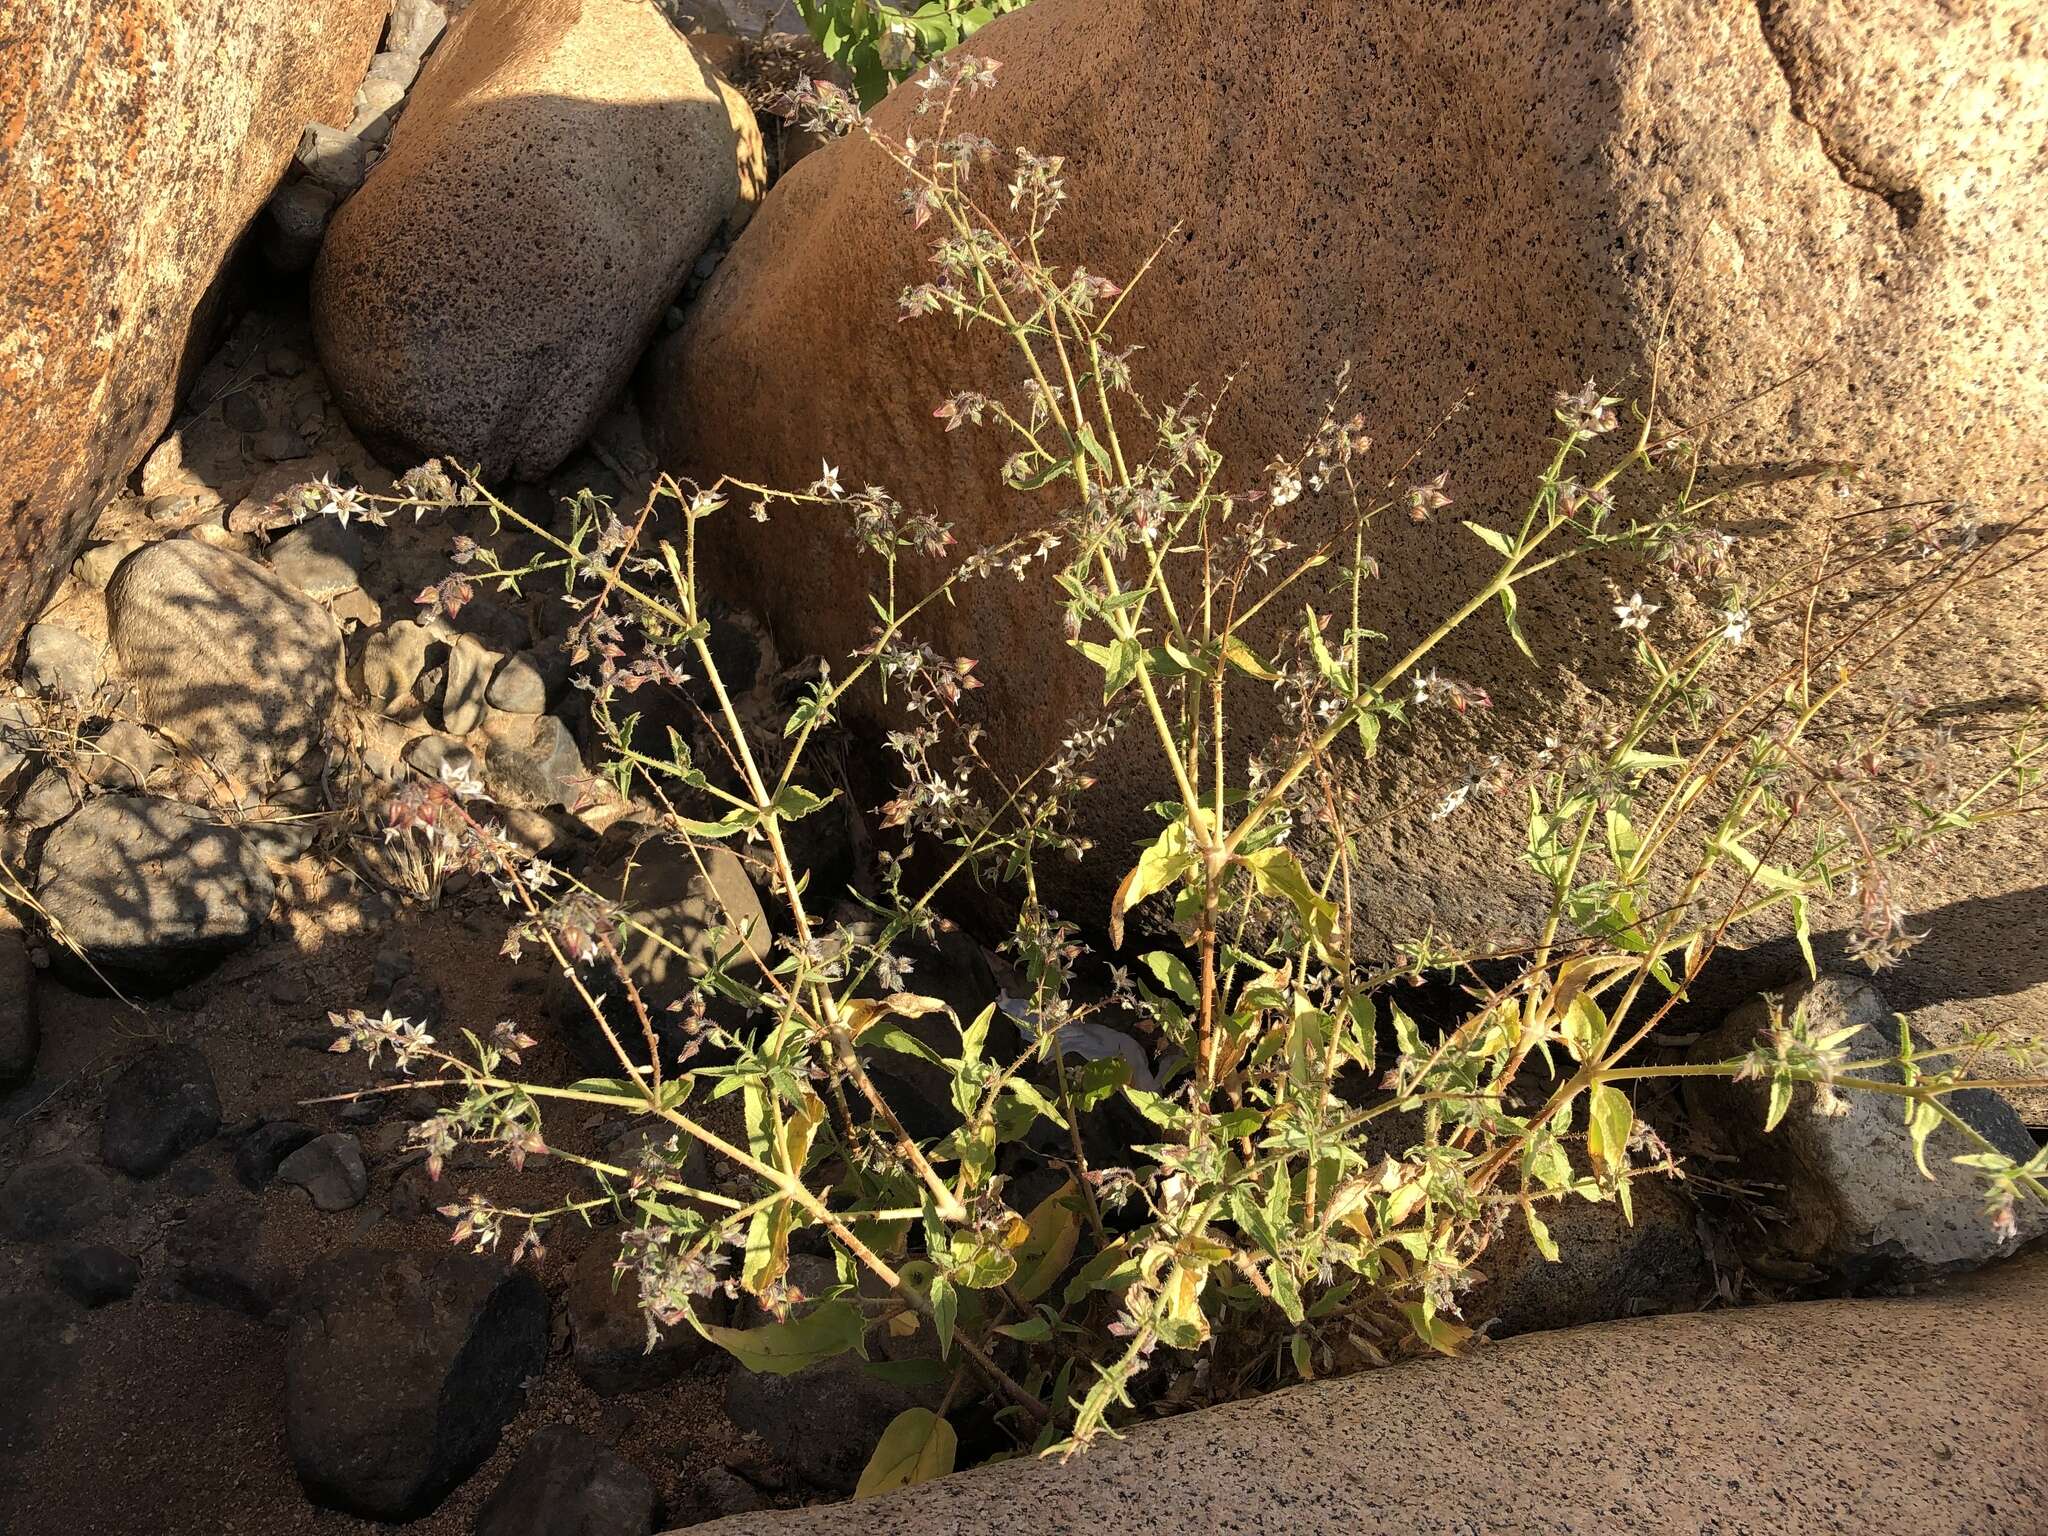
(1498, 199)
(560, 165)
(137, 140)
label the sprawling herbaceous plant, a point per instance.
(1305, 1176)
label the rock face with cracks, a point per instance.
(137, 140)
(1499, 199)
(560, 165)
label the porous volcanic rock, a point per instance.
(559, 166)
(1476, 204)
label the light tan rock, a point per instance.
(1770, 1418)
(224, 655)
(559, 166)
(1500, 199)
(137, 139)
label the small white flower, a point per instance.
(1735, 624)
(1286, 487)
(460, 781)
(828, 482)
(1450, 803)
(1635, 613)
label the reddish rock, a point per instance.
(137, 140)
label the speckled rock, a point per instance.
(1769, 1419)
(1500, 199)
(1607, 1266)
(142, 137)
(559, 166)
(1853, 1194)
(225, 655)
(154, 892)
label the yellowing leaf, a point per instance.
(1159, 866)
(917, 1446)
(1051, 1232)
(1609, 1119)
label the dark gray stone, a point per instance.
(94, 1275)
(153, 891)
(415, 26)
(393, 660)
(334, 158)
(470, 665)
(1607, 1266)
(58, 659)
(242, 411)
(19, 1032)
(608, 1328)
(295, 222)
(258, 1154)
(527, 683)
(567, 1484)
(400, 1375)
(532, 762)
(216, 1255)
(161, 1106)
(330, 1169)
(49, 797)
(53, 1197)
(396, 67)
(1853, 1195)
(321, 558)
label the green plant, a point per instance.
(881, 45)
(1323, 1160)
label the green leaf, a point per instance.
(1242, 657)
(1492, 538)
(1509, 604)
(917, 1446)
(945, 1312)
(1780, 1100)
(1173, 974)
(737, 820)
(1609, 1119)
(795, 802)
(1540, 1234)
(1921, 1116)
(1094, 449)
(831, 1328)
(1439, 1333)
(1802, 928)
